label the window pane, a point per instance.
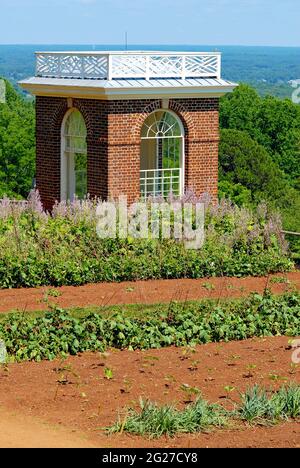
(171, 153)
(76, 155)
(161, 149)
(161, 124)
(80, 175)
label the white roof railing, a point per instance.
(128, 64)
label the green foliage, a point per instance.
(59, 333)
(238, 110)
(289, 156)
(271, 122)
(287, 402)
(108, 373)
(17, 145)
(260, 151)
(155, 421)
(256, 407)
(281, 90)
(40, 250)
(237, 193)
(243, 161)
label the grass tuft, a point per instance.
(287, 401)
(155, 421)
(257, 407)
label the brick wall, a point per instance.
(113, 141)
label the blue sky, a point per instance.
(220, 22)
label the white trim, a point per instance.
(154, 177)
(67, 169)
(161, 137)
(126, 93)
(63, 159)
(182, 165)
(180, 137)
(124, 52)
(165, 104)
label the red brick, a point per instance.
(113, 142)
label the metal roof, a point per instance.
(130, 83)
(128, 88)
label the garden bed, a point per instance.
(75, 395)
(144, 292)
(60, 332)
(65, 249)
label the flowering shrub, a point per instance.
(62, 248)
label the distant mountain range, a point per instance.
(268, 69)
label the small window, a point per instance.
(74, 157)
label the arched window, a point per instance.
(162, 155)
(73, 156)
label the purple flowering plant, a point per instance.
(62, 247)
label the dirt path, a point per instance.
(144, 292)
(20, 431)
(44, 403)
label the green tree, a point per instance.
(238, 110)
(273, 123)
(289, 156)
(17, 144)
(243, 161)
(248, 175)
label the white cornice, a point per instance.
(86, 92)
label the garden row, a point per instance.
(63, 248)
(59, 333)
(256, 407)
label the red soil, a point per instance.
(144, 292)
(72, 413)
(20, 431)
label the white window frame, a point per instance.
(182, 145)
(67, 169)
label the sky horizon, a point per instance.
(253, 23)
(72, 44)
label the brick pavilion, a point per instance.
(131, 123)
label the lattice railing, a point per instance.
(71, 66)
(116, 65)
(155, 182)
